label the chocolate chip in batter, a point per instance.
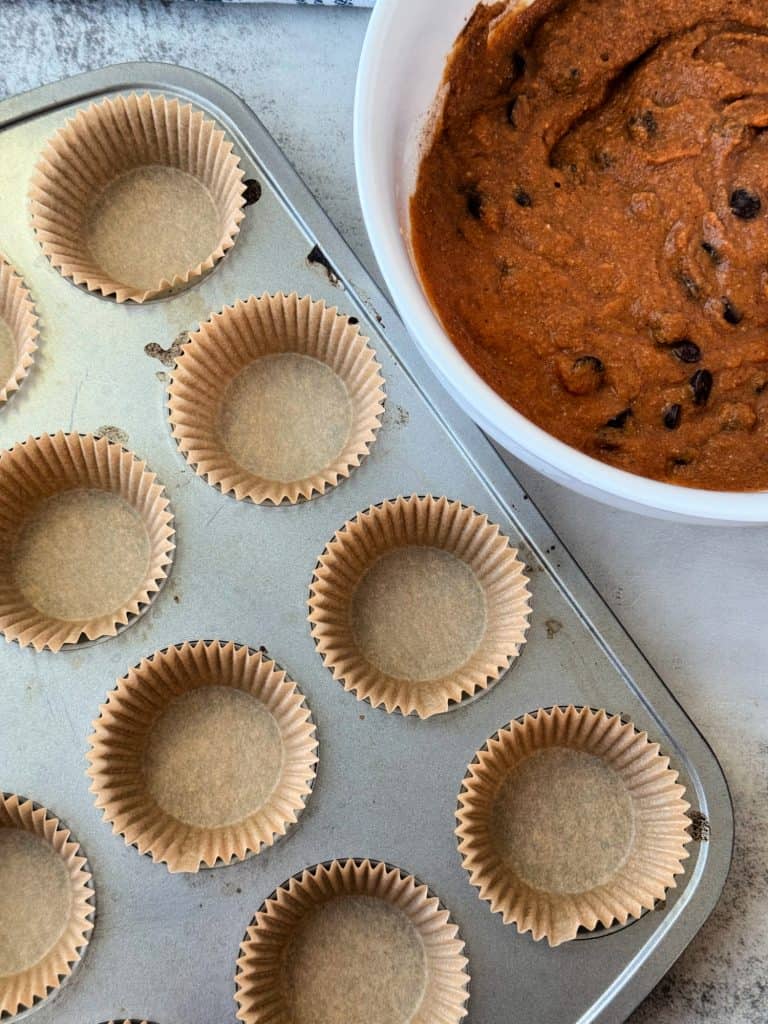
(619, 421)
(687, 351)
(730, 314)
(649, 122)
(590, 362)
(581, 376)
(474, 202)
(522, 198)
(701, 385)
(745, 204)
(518, 65)
(671, 416)
(712, 252)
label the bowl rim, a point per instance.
(491, 412)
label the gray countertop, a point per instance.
(694, 598)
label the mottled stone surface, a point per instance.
(694, 598)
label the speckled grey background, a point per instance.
(694, 598)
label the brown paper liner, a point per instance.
(99, 145)
(132, 710)
(25, 988)
(260, 979)
(18, 312)
(39, 468)
(656, 838)
(235, 339)
(420, 523)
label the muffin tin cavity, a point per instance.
(352, 942)
(276, 399)
(18, 330)
(418, 603)
(137, 196)
(46, 903)
(85, 539)
(569, 818)
(217, 761)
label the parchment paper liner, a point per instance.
(25, 988)
(18, 312)
(259, 993)
(423, 522)
(235, 338)
(104, 141)
(658, 846)
(124, 723)
(40, 467)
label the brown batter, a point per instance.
(591, 224)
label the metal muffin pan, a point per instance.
(165, 946)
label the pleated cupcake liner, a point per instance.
(104, 141)
(235, 339)
(260, 990)
(420, 522)
(18, 312)
(118, 742)
(658, 844)
(42, 467)
(25, 988)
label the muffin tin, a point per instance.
(165, 946)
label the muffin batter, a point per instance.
(591, 224)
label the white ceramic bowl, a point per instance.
(400, 73)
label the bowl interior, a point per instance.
(400, 76)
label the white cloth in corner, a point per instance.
(304, 3)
